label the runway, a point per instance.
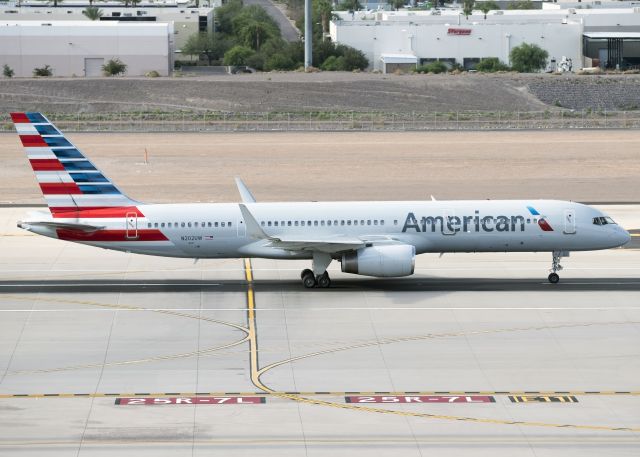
(106, 353)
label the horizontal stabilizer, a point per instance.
(85, 228)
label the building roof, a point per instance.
(612, 35)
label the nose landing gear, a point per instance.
(555, 266)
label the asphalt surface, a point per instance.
(107, 353)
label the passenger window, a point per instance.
(328, 222)
(221, 224)
(302, 223)
(322, 223)
(296, 223)
(349, 222)
(215, 224)
(381, 221)
(182, 224)
(155, 225)
(335, 222)
(262, 223)
(269, 223)
(188, 224)
(195, 224)
(361, 222)
(275, 223)
(149, 225)
(342, 222)
(309, 223)
(281, 223)
(375, 222)
(395, 222)
(228, 224)
(176, 225)
(529, 221)
(315, 223)
(208, 224)
(162, 224)
(355, 222)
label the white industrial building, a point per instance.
(80, 48)
(186, 21)
(402, 39)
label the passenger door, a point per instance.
(569, 221)
(131, 225)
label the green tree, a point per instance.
(467, 7)
(322, 9)
(225, 15)
(491, 65)
(210, 45)
(92, 13)
(349, 5)
(253, 26)
(114, 67)
(485, 7)
(238, 55)
(528, 58)
(521, 5)
(396, 4)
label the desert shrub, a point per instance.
(114, 67)
(432, 67)
(43, 71)
(491, 65)
(528, 58)
(7, 71)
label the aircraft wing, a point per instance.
(329, 245)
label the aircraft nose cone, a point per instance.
(625, 237)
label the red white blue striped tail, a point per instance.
(69, 181)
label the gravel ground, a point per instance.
(573, 165)
(285, 92)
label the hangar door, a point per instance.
(93, 67)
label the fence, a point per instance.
(337, 121)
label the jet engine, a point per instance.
(390, 260)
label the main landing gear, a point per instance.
(555, 266)
(318, 276)
(309, 280)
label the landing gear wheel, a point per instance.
(305, 272)
(554, 278)
(309, 281)
(324, 281)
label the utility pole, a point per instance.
(308, 32)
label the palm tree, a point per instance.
(93, 13)
(324, 9)
(467, 7)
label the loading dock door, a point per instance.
(93, 67)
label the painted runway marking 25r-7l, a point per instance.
(420, 399)
(191, 401)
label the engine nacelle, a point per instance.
(391, 260)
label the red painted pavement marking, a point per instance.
(421, 399)
(192, 401)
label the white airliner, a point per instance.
(368, 238)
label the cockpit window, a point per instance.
(603, 220)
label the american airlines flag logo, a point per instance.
(544, 225)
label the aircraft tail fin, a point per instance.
(69, 181)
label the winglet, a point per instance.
(253, 228)
(245, 193)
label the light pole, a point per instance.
(308, 32)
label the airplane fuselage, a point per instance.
(218, 230)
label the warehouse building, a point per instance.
(80, 48)
(186, 21)
(400, 40)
